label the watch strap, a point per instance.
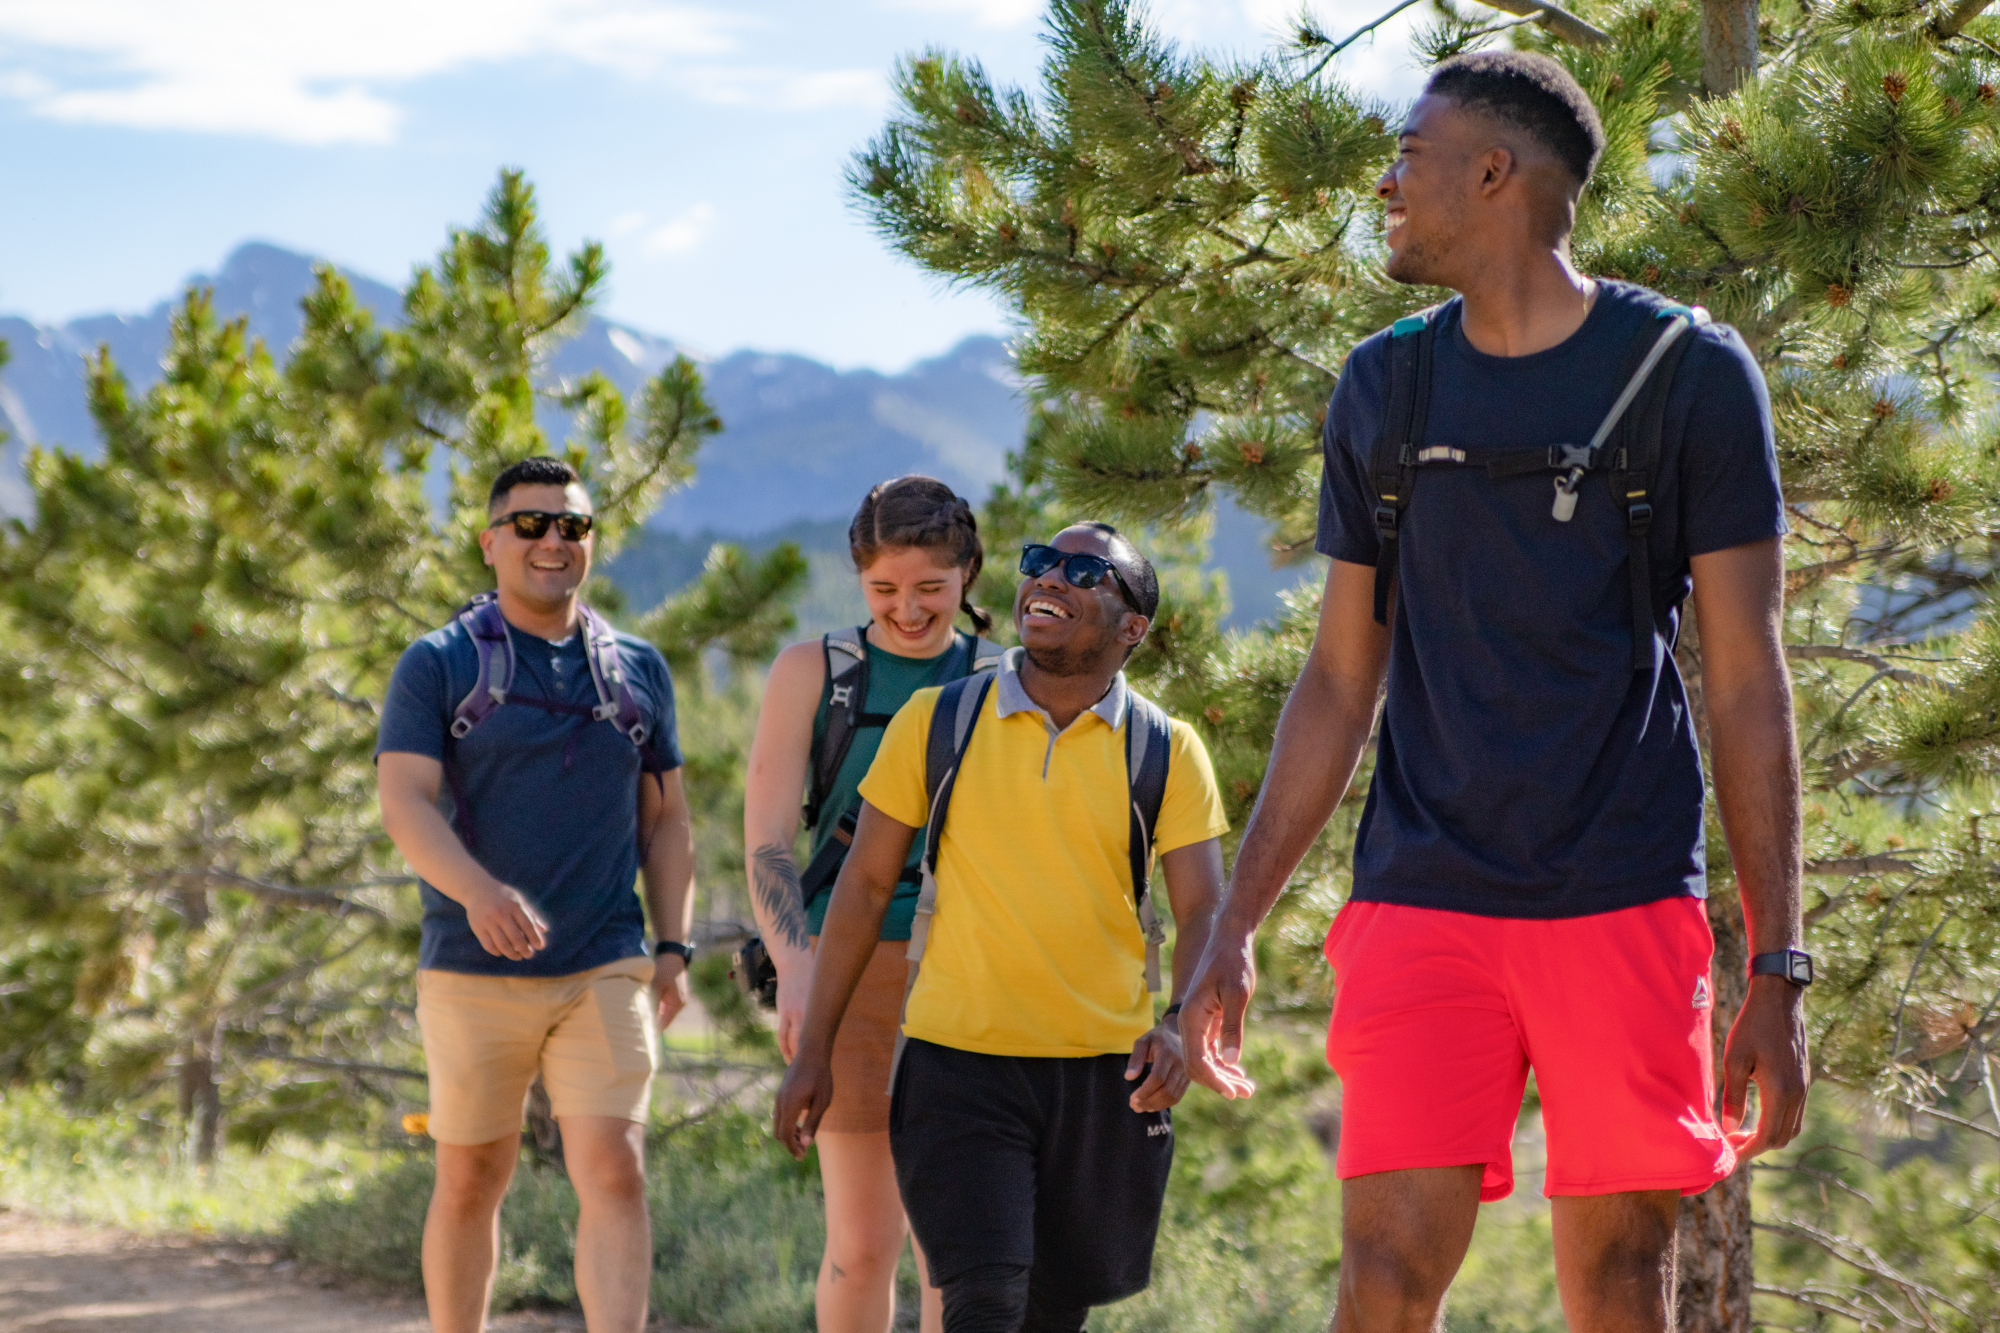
(686, 951)
(1794, 965)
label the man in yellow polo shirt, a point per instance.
(1030, 1120)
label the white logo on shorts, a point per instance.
(1154, 1131)
(1701, 993)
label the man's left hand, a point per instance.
(1167, 1082)
(1767, 1046)
(670, 986)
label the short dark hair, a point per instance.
(543, 471)
(1132, 563)
(1531, 92)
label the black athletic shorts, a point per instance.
(1029, 1161)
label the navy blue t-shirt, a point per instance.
(554, 799)
(1524, 769)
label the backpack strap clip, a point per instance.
(1392, 464)
(1148, 745)
(1632, 477)
(487, 629)
(846, 655)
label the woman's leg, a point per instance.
(865, 1230)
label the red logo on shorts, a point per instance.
(1701, 993)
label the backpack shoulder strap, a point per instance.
(1392, 465)
(845, 692)
(487, 629)
(952, 720)
(1148, 746)
(986, 654)
(1637, 460)
(616, 703)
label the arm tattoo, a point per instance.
(775, 880)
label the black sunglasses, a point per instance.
(531, 524)
(1080, 569)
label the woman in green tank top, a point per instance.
(916, 547)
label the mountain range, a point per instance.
(802, 441)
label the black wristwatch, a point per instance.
(686, 951)
(1794, 965)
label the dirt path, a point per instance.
(56, 1278)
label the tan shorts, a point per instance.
(590, 1034)
(866, 1044)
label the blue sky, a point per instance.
(702, 141)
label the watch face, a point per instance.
(1799, 968)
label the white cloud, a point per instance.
(312, 71)
(985, 13)
(680, 233)
(788, 90)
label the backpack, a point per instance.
(1148, 746)
(846, 653)
(615, 702)
(1630, 465)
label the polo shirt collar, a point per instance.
(1013, 696)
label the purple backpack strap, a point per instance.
(488, 629)
(615, 701)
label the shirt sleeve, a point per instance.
(663, 740)
(895, 781)
(1346, 499)
(1192, 809)
(416, 716)
(1729, 457)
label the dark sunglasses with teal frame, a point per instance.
(531, 524)
(1080, 569)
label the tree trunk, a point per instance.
(1713, 1269)
(1728, 45)
(201, 1096)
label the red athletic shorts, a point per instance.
(1439, 1016)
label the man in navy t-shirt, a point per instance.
(528, 821)
(1530, 870)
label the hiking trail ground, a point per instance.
(60, 1278)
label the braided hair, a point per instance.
(921, 512)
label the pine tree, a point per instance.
(1190, 245)
(197, 627)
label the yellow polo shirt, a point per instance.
(1036, 948)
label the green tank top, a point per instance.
(891, 682)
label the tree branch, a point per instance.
(1953, 20)
(351, 1066)
(1859, 865)
(1556, 19)
(1807, 652)
(329, 898)
(1918, 1107)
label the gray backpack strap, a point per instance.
(487, 629)
(952, 721)
(846, 693)
(1148, 744)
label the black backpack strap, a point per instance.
(1148, 745)
(845, 693)
(1392, 465)
(1636, 461)
(952, 720)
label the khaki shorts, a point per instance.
(589, 1034)
(865, 1045)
